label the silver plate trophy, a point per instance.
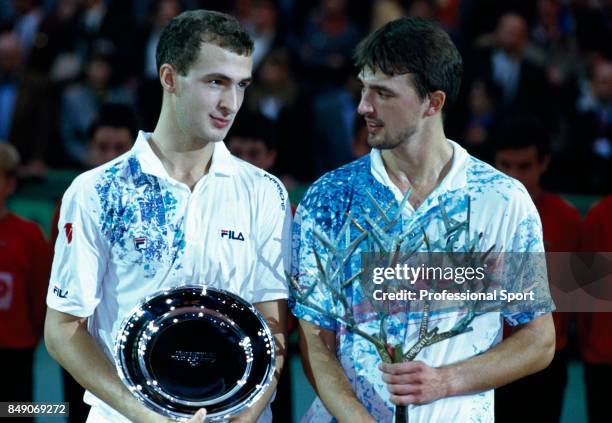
(191, 347)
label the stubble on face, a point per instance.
(386, 141)
(390, 108)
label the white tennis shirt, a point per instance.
(127, 230)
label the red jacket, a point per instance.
(24, 276)
(595, 329)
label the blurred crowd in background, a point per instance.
(61, 61)
(78, 78)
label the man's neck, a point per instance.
(185, 160)
(419, 164)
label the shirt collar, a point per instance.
(222, 163)
(455, 179)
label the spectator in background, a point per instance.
(252, 139)
(105, 26)
(24, 107)
(324, 47)
(24, 275)
(591, 134)
(162, 11)
(54, 53)
(595, 329)
(81, 103)
(29, 16)
(483, 99)
(554, 45)
(334, 114)
(521, 151)
(522, 84)
(263, 25)
(112, 134)
(275, 95)
(149, 96)
(274, 90)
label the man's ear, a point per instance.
(168, 77)
(437, 99)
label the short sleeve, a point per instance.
(311, 302)
(81, 254)
(526, 237)
(274, 243)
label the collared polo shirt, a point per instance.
(128, 230)
(500, 209)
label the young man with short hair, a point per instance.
(178, 189)
(410, 69)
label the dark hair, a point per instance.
(181, 39)
(254, 126)
(116, 116)
(416, 46)
(521, 131)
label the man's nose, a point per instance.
(365, 107)
(230, 101)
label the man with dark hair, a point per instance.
(111, 134)
(154, 218)
(410, 69)
(521, 151)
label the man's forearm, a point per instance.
(72, 346)
(327, 377)
(529, 350)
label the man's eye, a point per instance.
(215, 82)
(243, 85)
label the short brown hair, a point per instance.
(181, 39)
(9, 159)
(417, 46)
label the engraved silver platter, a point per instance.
(191, 347)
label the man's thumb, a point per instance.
(200, 416)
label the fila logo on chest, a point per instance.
(233, 235)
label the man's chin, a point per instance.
(378, 142)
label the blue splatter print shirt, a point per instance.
(500, 209)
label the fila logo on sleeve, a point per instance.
(59, 292)
(229, 234)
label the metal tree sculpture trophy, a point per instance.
(382, 243)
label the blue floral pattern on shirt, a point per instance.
(343, 191)
(138, 216)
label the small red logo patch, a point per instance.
(68, 230)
